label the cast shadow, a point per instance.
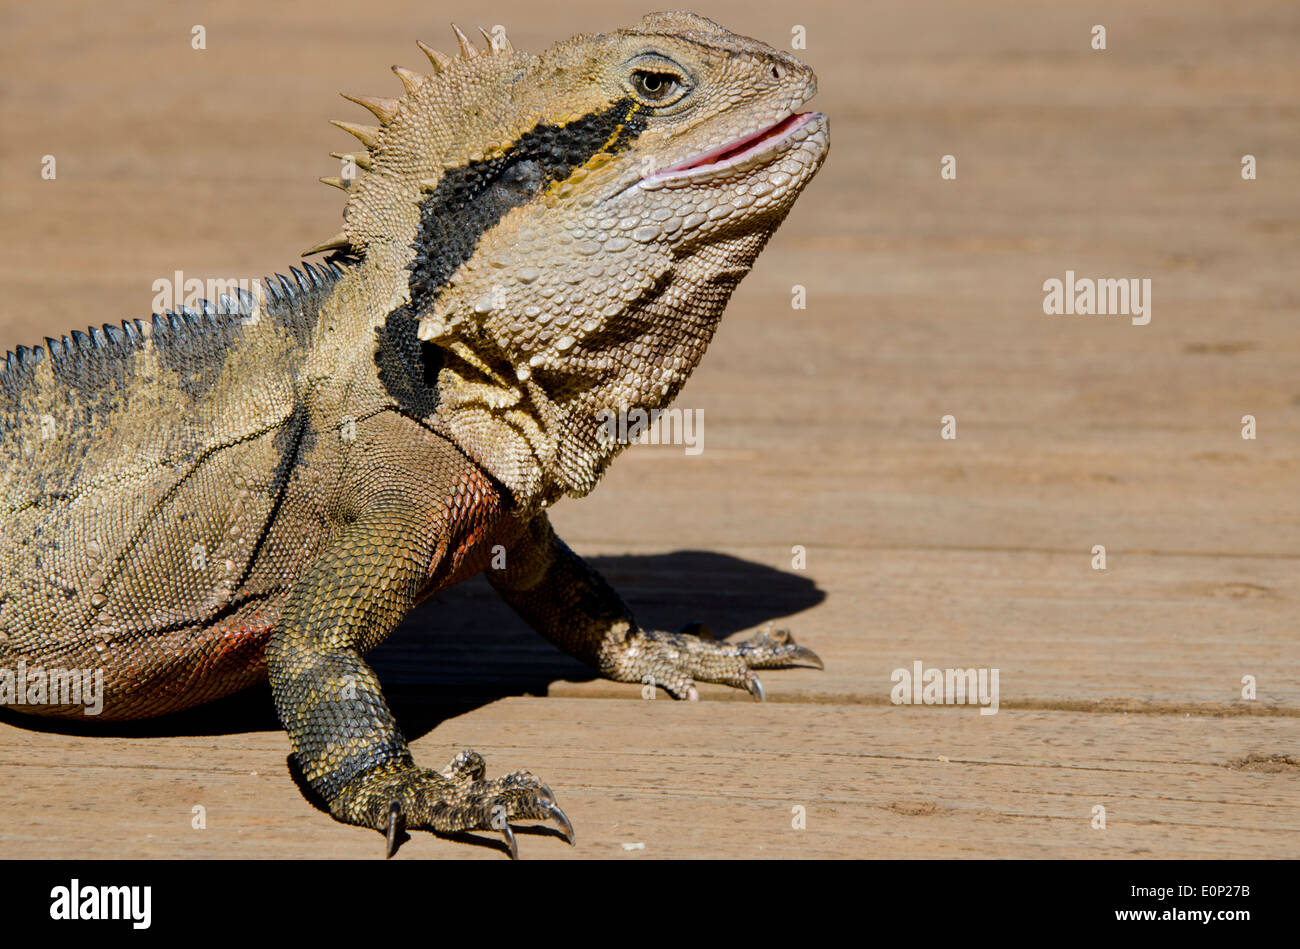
(464, 648)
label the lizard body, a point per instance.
(265, 487)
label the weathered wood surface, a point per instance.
(1120, 688)
(708, 779)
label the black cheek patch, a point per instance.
(408, 366)
(470, 200)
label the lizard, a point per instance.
(262, 487)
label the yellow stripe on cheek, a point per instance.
(597, 161)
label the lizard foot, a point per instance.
(676, 661)
(398, 796)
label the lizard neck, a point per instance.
(547, 433)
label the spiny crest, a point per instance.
(292, 303)
(393, 136)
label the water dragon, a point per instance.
(263, 486)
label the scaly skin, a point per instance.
(267, 487)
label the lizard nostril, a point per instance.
(778, 72)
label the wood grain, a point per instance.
(1119, 688)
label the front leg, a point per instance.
(563, 598)
(407, 526)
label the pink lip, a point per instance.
(740, 150)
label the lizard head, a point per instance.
(571, 225)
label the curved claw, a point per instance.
(755, 688)
(396, 824)
(510, 841)
(562, 819)
(804, 654)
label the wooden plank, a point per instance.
(706, 779)
(821, 431)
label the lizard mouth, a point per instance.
(741, 152)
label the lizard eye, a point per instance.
(656, 83)
(654, 86)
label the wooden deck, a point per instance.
(1119, 688)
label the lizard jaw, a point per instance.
(742, 152)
